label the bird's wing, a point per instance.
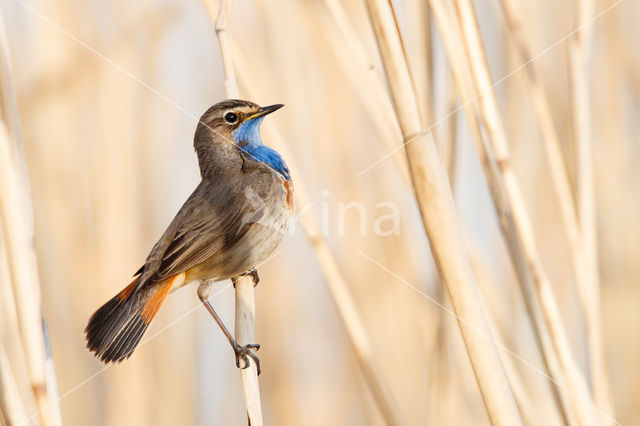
(212, 218)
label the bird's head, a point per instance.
(235, 120)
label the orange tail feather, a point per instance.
(114, 330)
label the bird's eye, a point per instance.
(230, 117)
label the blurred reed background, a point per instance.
(108, 95)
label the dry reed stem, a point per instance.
(338, 288)
(244, 292)
(362, 349)
(585, 270)
(463, 84)
(220, 18)
(440, 220)
(366, 81)
(17, 221)
(550, 138)
(448, 23)
(440, 379)
(580, 397)
(18, 238)
(451, 98)
(481, 271)
(11, 408)
(455, 50)
(429, 97)
(589, 287)
(245, 334)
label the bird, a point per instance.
(230, 224)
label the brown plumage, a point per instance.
(233, 220)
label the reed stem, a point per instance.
(439, 216)
(244, 287)
(587, 271)
(489, 111)
(16, 212)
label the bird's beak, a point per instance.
(265, 110)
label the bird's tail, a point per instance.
(114, 330)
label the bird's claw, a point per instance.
(244, 352)
(253, 273)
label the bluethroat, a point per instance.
(231, 223)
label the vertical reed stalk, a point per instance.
(11, 408)
(585, 268)
(16, 212)
(429, 97)
(581, 399)
(244, 292)
(448, 23)
(525, 405)
(451, 102)
(579, 48)
(440, 221)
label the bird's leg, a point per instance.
(242, 352)
(253, 273)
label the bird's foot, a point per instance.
(244, 352)
(253, 273)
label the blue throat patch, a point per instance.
(248, 135)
